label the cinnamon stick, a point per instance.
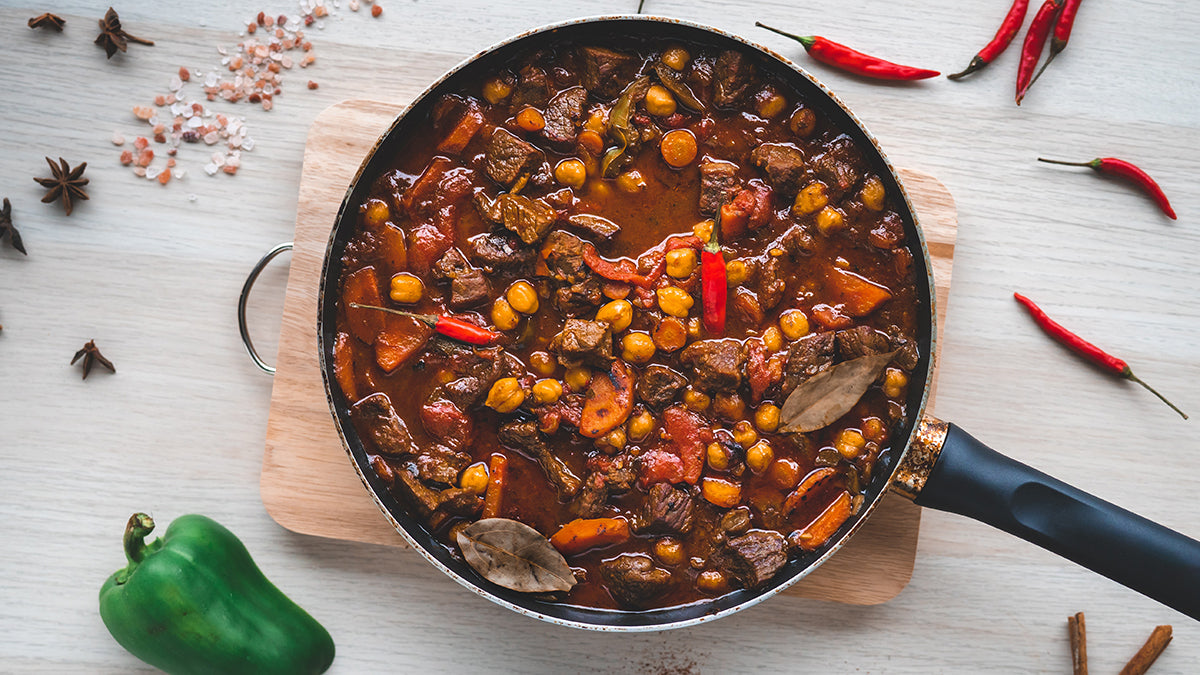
(1145, 657)
(1078, 633)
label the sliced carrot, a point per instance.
(425, 187)
(394, 248)
(583, 533)
(399, 340)
(800, 493)
(362, 287)
(723, 493)
(609, 401)
(464, 131)
(820, 530)
(343, 366)
(858, 294)
(497, 474)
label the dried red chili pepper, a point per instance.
(840, 56)
(449, 326)
(618, 271)
(1062, 33)
(1086, 349)
(1130, 172)
(1035, 42)
(712, 280)
(1004, 36)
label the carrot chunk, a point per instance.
(463, 132)
(859, 295)
(497, 475)
(723, 493)
(609, 402)
(820, 530)
(801, 492)
(399, 340)
(583, 533)
(362, 287)
(343, 366)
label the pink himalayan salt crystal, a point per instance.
(143, 112)
(184, 74)
(117, 139)
(141, 143)
(145, 157)
(127, 157)
(164, 177)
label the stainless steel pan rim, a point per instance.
(703, 611)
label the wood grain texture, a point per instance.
(309, 484)
(153, 276)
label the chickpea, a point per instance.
(784, 473)
(496, 89)
(894, 382)
(631, 181)
(769, 103)
(640, 426)
(543, 363)
(772, 339)
(803, 122)
(618, 314)
(736, 272)
(505, 395)
(669, 551)
(376, 213)
(597, 121)
(830, 220)
(591, 142)
(659, 102)
(696, 400)
(571, 173)
(849, 443)
(531, 119)
(676, 58)
(670, 334)
(406, 289)
(744, 434)
(681, 262)
(729, 406)
(674, 301)
(873, 193)
(695, 327)
(678, 147)
(637, 347)
(503, 316)
(873, 429)
(766, 418)
(547, 391)
(810, 199)
(578, 378)
(703, 230)
(793, 324)
(711, 581)
(522, 297)
(474, 478)
(717, 456)
(759, 456)
(614, 439)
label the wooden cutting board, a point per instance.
(308, 484)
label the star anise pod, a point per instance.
(112, 37)
(91, 355)
(65, 182)
(6, 227)
(48, 20)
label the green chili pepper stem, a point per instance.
(806, 40)
(1094, 164)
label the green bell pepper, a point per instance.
(193, 601)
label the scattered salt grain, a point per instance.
(117, 139)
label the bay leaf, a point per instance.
(823, 398)
(512, 554)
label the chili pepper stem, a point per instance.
(137, 529)
(975, 65)
(1128, 374)
(806, 40)
(1091, 165)
(423, 318)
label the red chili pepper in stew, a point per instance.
(1035, 42)
(1004, 36)
(1062, 33)
(1086, 349)
(1128, 171)
(849, 60)
(712, 280)
(449, 326)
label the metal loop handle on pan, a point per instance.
(241, 310)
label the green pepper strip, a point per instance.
(618, 123)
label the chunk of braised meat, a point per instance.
(718, 365)
(736, 522)
(798, 241)
(841, 166)
(501, 253)
(478, 372)
(633, 580)
(534, 87)
(593, 497)
(907, 354)
(524, 436)
(387, 431)
(718, 184)
(507, 157)
(733, 74)
(617, 469)
(427, 501)
(580, 288)
(784, 166)
(888, 232)
(606, 72)
(601, 228)
(463, 392)
(468, 286)
(564, 114)
(439, 464)
(658, 386)
(806, 357)
(583, 342)
(752, 558)
(529, 218)
(861, 341)
(447, 422)
(667, 510)
(771, 284)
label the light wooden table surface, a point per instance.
(153, 274)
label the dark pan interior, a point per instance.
(595, 31)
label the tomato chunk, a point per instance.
(658, 465)
(689, 437)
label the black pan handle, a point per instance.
(973, 480)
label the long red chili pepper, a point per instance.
(849, 60)
(450, 326)
(712, 280)
(1035, 42)
(1004, 36)
(1128, 171)
(1086, 349)
(1062, 33)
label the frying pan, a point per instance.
(938, 466)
